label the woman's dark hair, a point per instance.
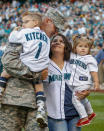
(68, 47)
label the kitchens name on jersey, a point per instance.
(36, 35)
(54, 77)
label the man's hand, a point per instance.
(82, 94)
(44, 74)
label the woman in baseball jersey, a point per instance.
(62, 116)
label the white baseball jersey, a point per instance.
(55, 89)
(81, 66)
(36, 47)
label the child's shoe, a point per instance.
(83, 122)
(91, 116)
(41, 116)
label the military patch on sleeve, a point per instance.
(83, 78)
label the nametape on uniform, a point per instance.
(83, 78)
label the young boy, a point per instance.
(35, 55)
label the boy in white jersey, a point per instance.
(83, 70)
(35, 55)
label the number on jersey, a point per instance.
(39, 50)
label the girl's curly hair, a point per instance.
(81, 38)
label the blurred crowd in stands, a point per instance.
(82, 17)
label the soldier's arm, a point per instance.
(12, 63)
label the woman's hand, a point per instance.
(82, 94)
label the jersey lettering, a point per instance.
(83, 78)
(27, 37)
(36, 36)
(59, 77)
(67, 76)
(39, 50)
(79, 63)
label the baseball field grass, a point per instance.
(97, 102)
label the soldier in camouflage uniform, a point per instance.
(18, 104)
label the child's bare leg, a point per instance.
(3, 79)
(40, 101)
(39, 87)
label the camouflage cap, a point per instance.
(56, 17)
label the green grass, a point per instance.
(97, 102)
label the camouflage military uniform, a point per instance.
(18, 108)
(14, 118)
